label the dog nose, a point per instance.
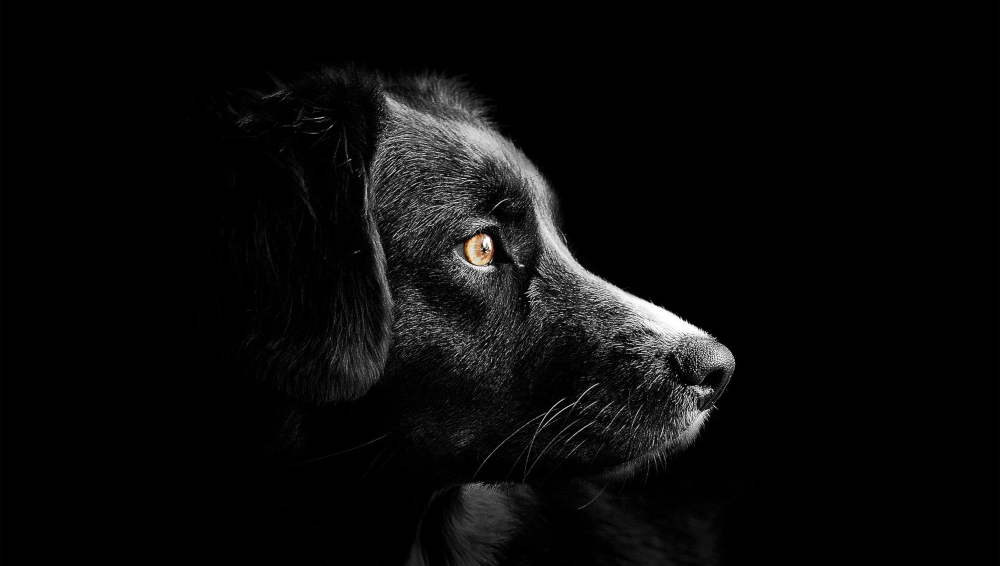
(705, 362)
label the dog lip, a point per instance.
(663, 448)
(627, 469)
(704, 396)
(708, 401)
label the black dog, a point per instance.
(401, 360)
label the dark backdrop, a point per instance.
(817, 190)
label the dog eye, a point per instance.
(479, 250)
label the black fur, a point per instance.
(367, 396)
(303, 300)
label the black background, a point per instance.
(817, 189)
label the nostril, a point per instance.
(707, 363)
(716, 378)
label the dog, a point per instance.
(399, 361)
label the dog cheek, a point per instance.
(447, 371)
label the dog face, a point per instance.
(543, 363)
(436, 292)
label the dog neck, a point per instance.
(468, 524)
(262, 499)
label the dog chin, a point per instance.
(658, 455)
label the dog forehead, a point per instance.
(462, 158)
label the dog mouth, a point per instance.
(665, 435)
(707, 395)
(666, 446)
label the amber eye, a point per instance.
(479, 249)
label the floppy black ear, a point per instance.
(301, 297)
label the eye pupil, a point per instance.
(479, 249)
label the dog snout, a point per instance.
(706, 362)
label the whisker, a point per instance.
(530, 444)
(612, 420)
(595, 497)
(604, 408)
(620, 429)
(499, 203)
(566, 457)
(551, 420)
(339, 453)
(577, 402)
(504, 441)
(579, 431)
(591, 404)
(542, 453)
(525, 449)
(370, 466)
(632, 427)
(387, 458)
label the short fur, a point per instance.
(368, 396)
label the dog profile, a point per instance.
(401, 362)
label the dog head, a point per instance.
(380, 246)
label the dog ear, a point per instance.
(301, 297)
